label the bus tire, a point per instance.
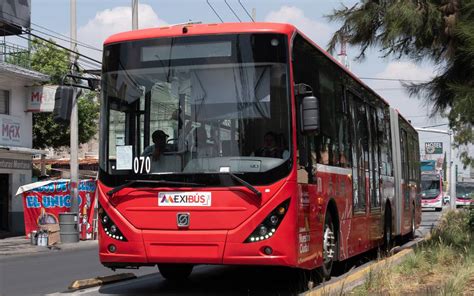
(387, 233)
(175, 272)
(329, 246)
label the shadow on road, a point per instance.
(246, 280)
(233, 280)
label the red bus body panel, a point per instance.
(216, 234)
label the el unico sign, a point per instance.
(434, 147)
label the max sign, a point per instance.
(10, 130)
(40, 98)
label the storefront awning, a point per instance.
(24, 150)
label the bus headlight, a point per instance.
(109, 226)
(270, 224)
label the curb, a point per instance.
(352, 280)
(101, 280)
(358, 277)
(355, 279)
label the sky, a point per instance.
(98, 19)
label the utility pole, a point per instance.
(451, 174)
(74, 167)
(134, 14)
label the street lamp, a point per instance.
(452, 175)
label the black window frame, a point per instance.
(6, 101)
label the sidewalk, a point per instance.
(20, 246)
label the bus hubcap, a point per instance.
(328, 244)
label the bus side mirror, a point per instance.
(310, 115)
(63, 103)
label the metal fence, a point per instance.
(15, 54)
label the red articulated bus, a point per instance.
(245, 144)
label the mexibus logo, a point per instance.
(184, 199)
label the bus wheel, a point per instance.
(175, 272)
(329, 246)
(387, 233)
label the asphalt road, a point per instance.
(43, 273)
(51, 273)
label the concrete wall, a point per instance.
(16, 116)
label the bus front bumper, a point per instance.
(194, 247)
(432, 203)
(461, 202)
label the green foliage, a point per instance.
(454, 230)
(439, 31)
(49, 133)
(21, 59)
(442, 265)
(51, 60)
(471, 218)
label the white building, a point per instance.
(15, 142)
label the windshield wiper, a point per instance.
(246, 184)
(131, 182)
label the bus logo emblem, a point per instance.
(182, 219)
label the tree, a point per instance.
(54, 61)
(49, 133)
(441, 31)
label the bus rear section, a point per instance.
(432, 191)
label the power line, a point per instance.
(225, 1)
(207, 1)
(412, 116)
(44, 28)
(436, 125)
(68, 40)
(245, 9)
(65, 48)
(57, 45)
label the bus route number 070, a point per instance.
(141, 164)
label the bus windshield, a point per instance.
(430, 186)
(190, 105)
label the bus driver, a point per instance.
(158, 148)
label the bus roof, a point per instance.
(201, 29)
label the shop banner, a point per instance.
(11, 130)
(43, 204)
(41, 98)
